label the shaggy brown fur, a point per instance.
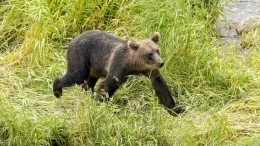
(95, 54)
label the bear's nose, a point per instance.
(161, 64)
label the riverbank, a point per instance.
(235, 14)
(219, 89)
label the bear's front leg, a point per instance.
(90, 83)
(109, 86)
(163, 93)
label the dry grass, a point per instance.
(220, 90)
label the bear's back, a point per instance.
(96, 40)
(95, 47)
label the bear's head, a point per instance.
(145, 54)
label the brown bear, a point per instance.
(94, 54)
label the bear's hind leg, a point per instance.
(65, 81)
(69, 80)
(57, 87)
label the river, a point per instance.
(235, 11)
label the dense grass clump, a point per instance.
(219, 88)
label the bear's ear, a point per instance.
(133, 45)
(156, 37)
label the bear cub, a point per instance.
(95, 54)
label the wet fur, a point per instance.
(95, 54)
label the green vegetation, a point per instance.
(249, 32)
(219, 88)
(251, 39)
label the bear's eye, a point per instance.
(150, 56)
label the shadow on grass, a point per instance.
(59, 137)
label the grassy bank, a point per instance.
(220, 89)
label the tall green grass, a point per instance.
(219, 89)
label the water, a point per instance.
(234, 13)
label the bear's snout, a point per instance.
(159, 62)
(161, 65)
